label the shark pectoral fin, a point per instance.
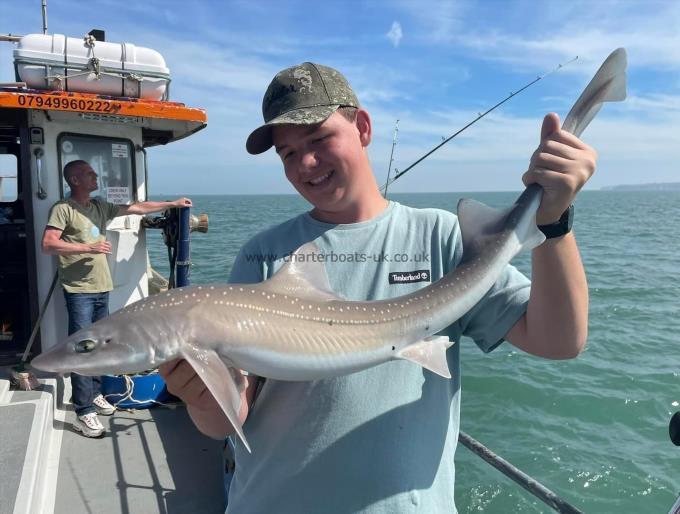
(219, 380)
(430, 353)
(239, 380)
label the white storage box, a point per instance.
(85, 65)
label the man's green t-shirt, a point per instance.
(83, 272)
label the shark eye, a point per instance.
(85, 346)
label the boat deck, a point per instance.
(149, 461)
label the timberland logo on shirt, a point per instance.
(405, 277)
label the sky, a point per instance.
(431, 64)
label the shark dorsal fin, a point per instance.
(477, 220)
(302, 275)
(480, 223)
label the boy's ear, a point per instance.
(363, 122)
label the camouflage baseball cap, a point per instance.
(305, 94)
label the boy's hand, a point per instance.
(561, 164)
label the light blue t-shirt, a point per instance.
(381, 440)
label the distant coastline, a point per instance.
(656, 186)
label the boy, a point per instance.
(381, 440)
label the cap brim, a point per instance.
(260, 139)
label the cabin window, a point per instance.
(112, 159)
(9, 187)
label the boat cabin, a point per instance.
(76, 98)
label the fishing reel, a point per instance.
(176, 224)
(169, 223)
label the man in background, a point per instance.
(76, 232)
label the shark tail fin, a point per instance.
(430, 353)
(608, 85)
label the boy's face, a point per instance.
(327, 164)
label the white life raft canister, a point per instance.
(85, 65)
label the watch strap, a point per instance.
(561, 227)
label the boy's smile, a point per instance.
(327, 163)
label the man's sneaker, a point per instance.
(89, 425)
(103, 407)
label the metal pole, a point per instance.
(183, 264)
(44, 16)
(530, 484)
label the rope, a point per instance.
(36, 327)
(94, 66)
(129, 391)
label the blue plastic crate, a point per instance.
(148, 388)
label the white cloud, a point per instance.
(227, 68)
(556, 32)
(659, 103)
(395, 34)
(439, 18)
(633, 141)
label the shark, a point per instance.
(294, 327)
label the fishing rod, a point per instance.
(511, 95)
(607, 85)
(389, 166)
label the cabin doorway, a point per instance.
(17, 248)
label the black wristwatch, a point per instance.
(561, 227)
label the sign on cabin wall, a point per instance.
(118, 195)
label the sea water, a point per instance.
(593, 429)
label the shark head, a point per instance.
(109, 346)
